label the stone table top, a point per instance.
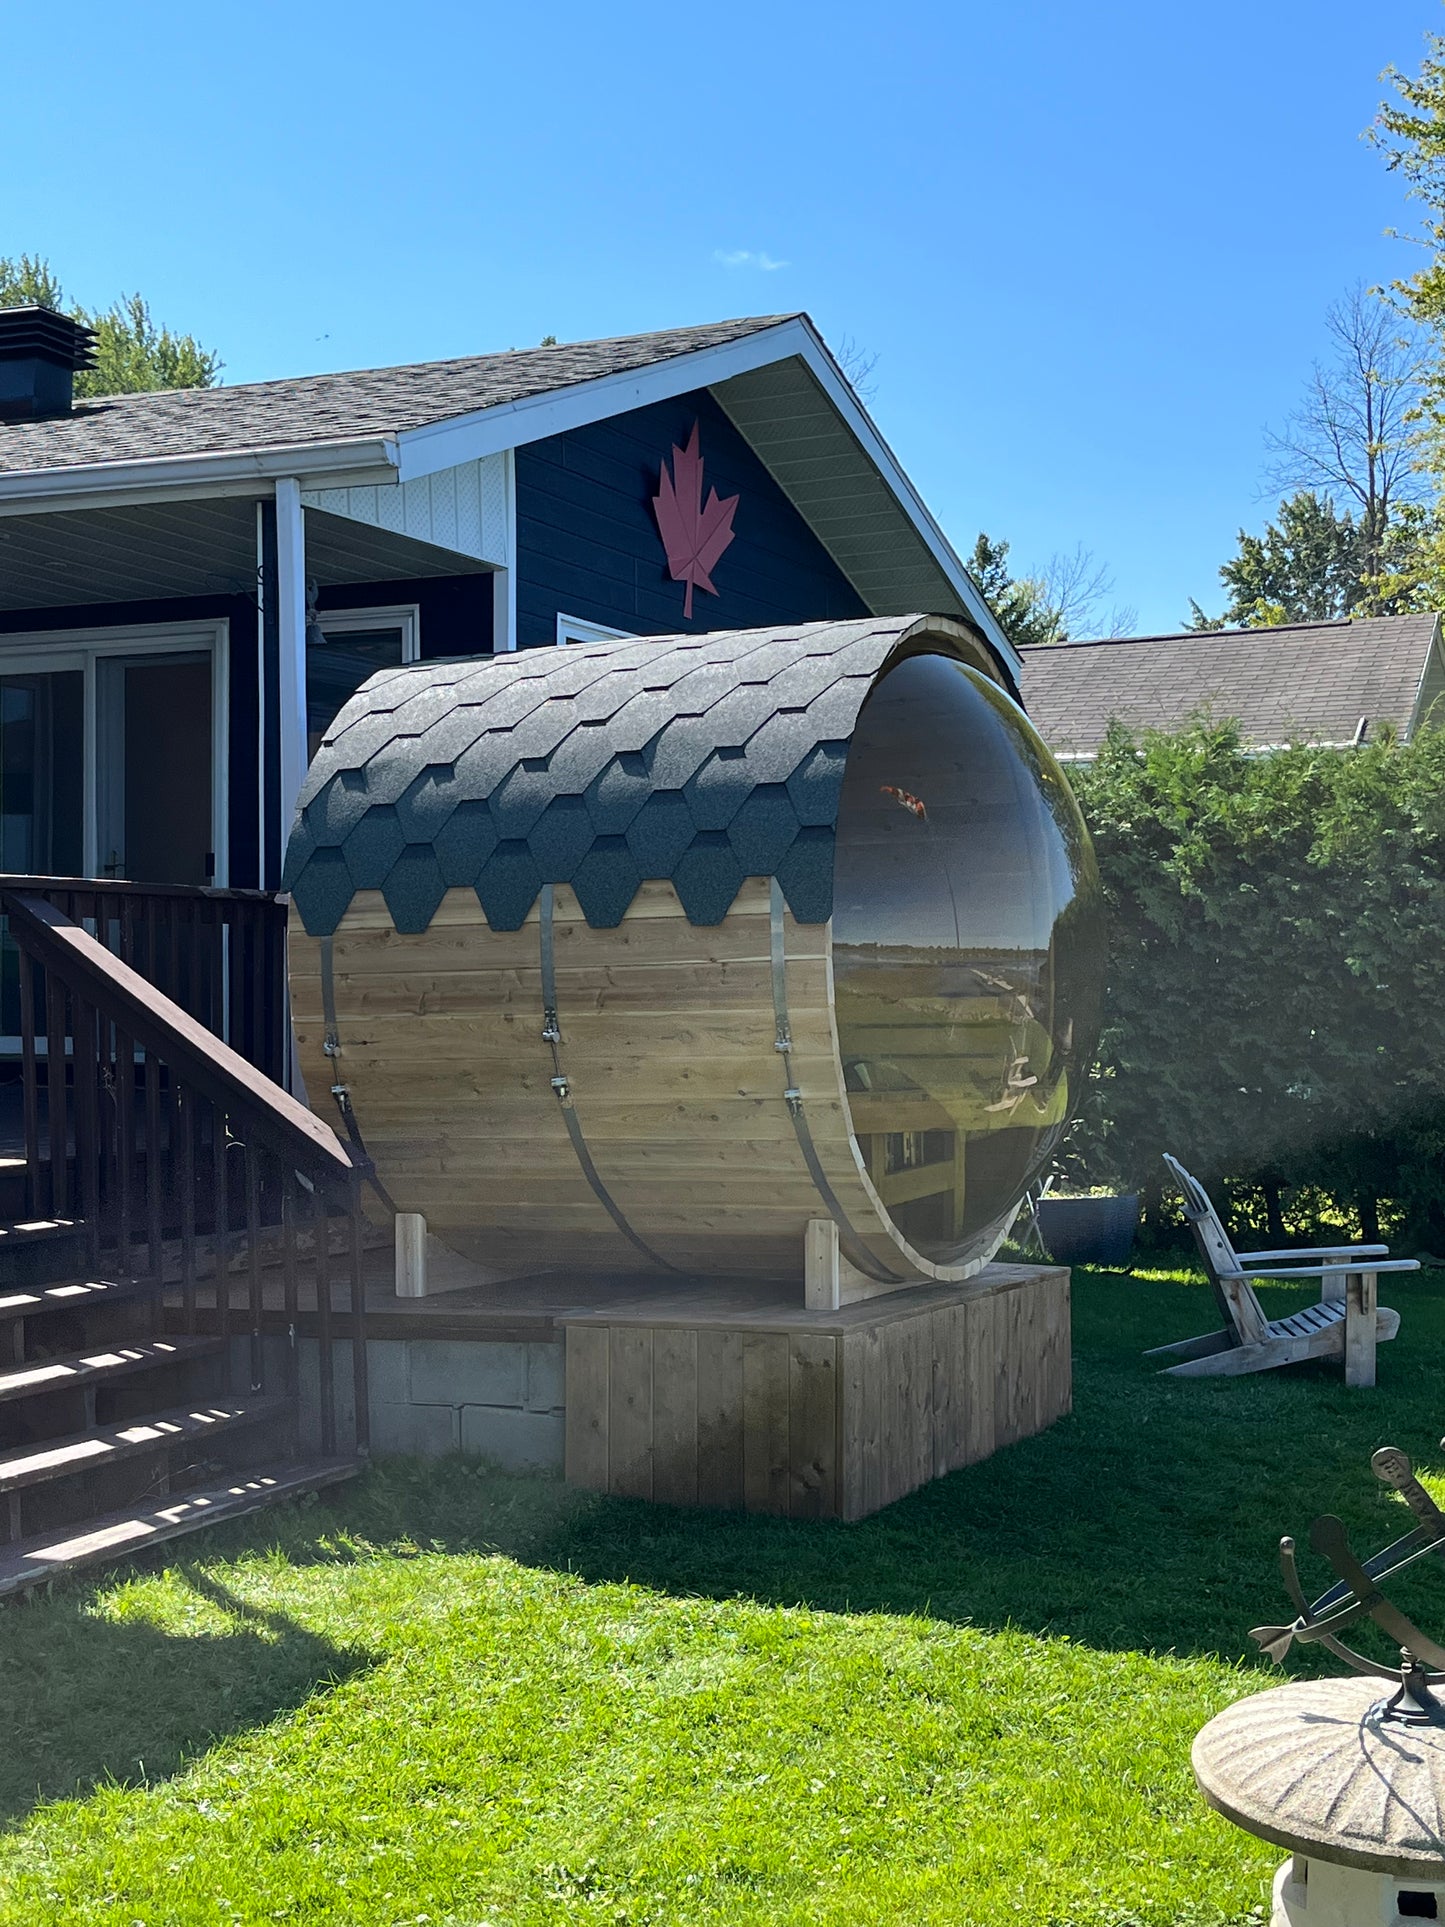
(1312, 1768)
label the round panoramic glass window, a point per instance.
(968, 952)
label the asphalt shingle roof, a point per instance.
(1308, 682)
(702, 759)
(325, 408)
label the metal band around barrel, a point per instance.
(561, 1084)
(851, 1245)
(340, 1091)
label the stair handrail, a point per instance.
(281, 1122)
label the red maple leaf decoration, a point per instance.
(693, 533)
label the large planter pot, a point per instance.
(1089, 1231)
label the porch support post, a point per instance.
(291, 614)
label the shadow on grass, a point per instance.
(1148, 1520)
(94, 1698)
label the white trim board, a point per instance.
(405, 616)
(463, 509)
(181, 478)
(577, 629)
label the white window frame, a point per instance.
(405, 616)
(37, 652)
(575, 629)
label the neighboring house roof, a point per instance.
(330, 408)
(1307, 682)
(699, 759)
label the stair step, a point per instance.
(79, 1369)
(39, 1462)
(36, 1231)
(119, 1534)
(80, 1292)
(35, 1250)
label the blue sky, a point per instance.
(1091, 247)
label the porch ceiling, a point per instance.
(195, 548)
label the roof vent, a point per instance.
(40, 353)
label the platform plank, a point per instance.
(735, 1395)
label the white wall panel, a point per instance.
(464, 509)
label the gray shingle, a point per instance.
(1307, 682)
(327, 408)
(414, 888)
(606, 881)
(600, 766)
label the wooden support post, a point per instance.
(822, 1277)
(1361, 1290)
(410, 1254)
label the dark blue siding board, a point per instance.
(588, 545)
(573, 501)
(581, 474)
(576, 521)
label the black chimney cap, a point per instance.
(48, 335)
(40, 353)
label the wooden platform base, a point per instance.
(740, 1399)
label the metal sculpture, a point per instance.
(693, 532)
(1359, 1594)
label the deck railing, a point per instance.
(181, 1159)
(219, 954)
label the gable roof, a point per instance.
(1306, 682)
(384, 426)
(359, 404)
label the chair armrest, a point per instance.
(1323, 1271)
(1313, 1251)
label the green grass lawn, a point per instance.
(451, 1697)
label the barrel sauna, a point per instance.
(647, 955)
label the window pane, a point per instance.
(338, 668)
(42, 763)
(42, 793)
(967, 952)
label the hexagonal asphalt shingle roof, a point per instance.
(699, 759)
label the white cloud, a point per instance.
(747, 258)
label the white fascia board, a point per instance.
(180, 478)
(1434, 649)
(487, 431)
(838, 390)
(511, 424)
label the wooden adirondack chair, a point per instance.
(1347, 1323)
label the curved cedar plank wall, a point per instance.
(667, 1038)
(671, 801)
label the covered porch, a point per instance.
(167, 666)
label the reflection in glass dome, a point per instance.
(967, 952)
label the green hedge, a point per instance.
(1276, 1004)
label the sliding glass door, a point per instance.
(42, 773)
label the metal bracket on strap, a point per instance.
(562, 1085)
(851, 1245)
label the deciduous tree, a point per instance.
(133, 352)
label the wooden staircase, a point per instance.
(138, 1401)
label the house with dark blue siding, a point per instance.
(197, 1288)
(192, 582)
